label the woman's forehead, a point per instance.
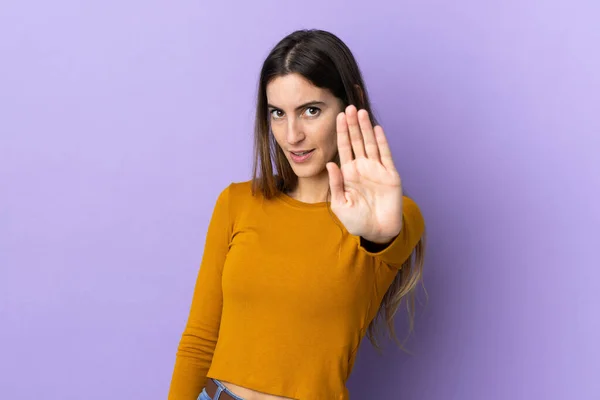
(293, 89)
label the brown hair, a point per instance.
(323, 59)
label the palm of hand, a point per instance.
(366, 191)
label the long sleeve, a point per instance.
(413, 227)
(199, 339)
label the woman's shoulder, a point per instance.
(238, 198)
(239, 193)
(237, 189)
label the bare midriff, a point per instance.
(249, 394)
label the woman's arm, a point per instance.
(199, 339)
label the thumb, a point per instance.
(336, 183)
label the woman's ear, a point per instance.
(360, 94)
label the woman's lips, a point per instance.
(301, 158)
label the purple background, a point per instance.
(120, 122)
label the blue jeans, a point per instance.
(221, 389)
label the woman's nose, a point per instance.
(295, 133)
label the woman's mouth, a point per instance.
(301, 156)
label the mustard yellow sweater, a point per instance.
(283, 297)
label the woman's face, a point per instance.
(303, 119)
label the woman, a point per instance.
(300, 260)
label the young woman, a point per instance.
(301, 260)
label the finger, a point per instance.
(384, 149)
(368, 135)
(336, 183)
(355, 135)
(343, 140)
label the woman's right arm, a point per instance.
(199, 339)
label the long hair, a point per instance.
(324, 60)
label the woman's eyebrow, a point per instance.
(310, 103)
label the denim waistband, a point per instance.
(221, 388)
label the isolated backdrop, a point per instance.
(121, 121)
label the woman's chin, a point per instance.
(309, 171)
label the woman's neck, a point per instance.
(311, 190)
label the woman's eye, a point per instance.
(312, 111)
(276, 114)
